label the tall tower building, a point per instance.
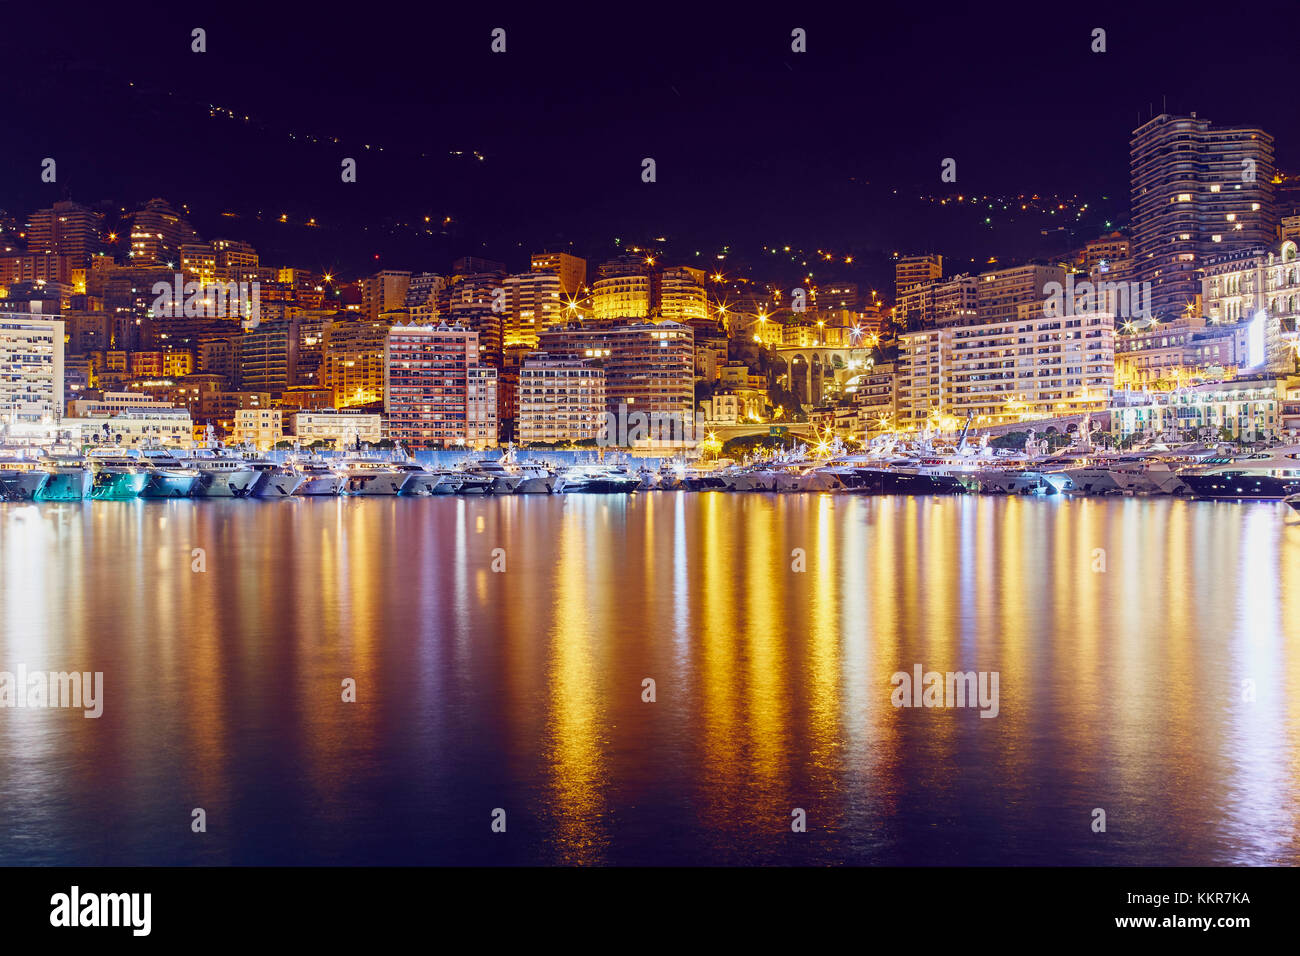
(572, 270)
(1196, 191)
(913, 271)
(157, 233)
(66, 229)
(384, 292)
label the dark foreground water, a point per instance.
(1122, 681)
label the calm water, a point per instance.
(1119, 689)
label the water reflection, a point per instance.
(1147, 653)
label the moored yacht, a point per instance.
(115, 475)
(318, 478)
(168, 476)
(369, 476)
(1268, 475)
(69, 478)
(273, 480)
(21, 478)
(597, 479)
(513, 477)
(221, 475)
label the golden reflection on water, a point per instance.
(1147, 650)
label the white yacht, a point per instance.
(419, 480)
(370, 476)
(169, 477)
(513, 477)
(318, 478)
(221, 475)
(273, 480)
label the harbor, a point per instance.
(888, 465)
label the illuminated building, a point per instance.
(533, 301)
(335, 426)
(436, 393)
(1196, 191)
(132, 428)
(571, 270)
(1005, 371)
(937, 304)
(1247, 408)
(681, 297)
(648, 367)
(261, 427)
(157, 233)
(1001, 293)
(560, 399)
(31, 368)
(913, 271)
(621, 297)
(66, 229)
(383, 292)
(352, 361)
(1262, 282)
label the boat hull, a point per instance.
(22, 485)
(117, 485)
(163, 484)
(220, 484)
(600, 486)
(879, 481)
(320, 486)
(541, 485)
(66, 486)
(380, 483)
(277, 486)
(1240, 487)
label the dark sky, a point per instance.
(755, 145)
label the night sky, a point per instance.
(755, 145)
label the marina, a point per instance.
(888, 466)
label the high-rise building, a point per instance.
(157, 233)
(572, 270)
(682, 298)
(66, 229)
(913, 271)
(384, 292)
(426, 297)
(268, 357)
(560, 399)
(436, 393)
(352, 361)
(934, 304)
(1196, 191)
(621, 297)
(534, 301)
(1002, 293)
(31, 368)
(648, 367)
(1007, 370)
